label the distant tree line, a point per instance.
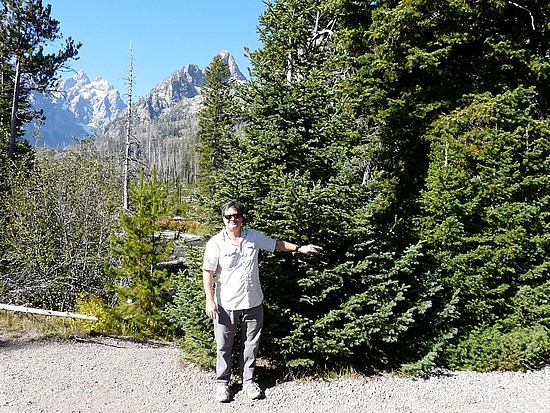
(409, 139)
(168, 144)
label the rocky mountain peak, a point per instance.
(81, 106)
(183, 84)
(234, 71)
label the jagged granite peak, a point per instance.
(182, 84)
(94, 103)
(74, 82)
(234, 71)
(76, 108)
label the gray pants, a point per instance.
(225, 325)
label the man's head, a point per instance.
(233, 204)
(232, 214)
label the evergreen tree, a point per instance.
(27, 27)
(140, 286)
(416, 62)
(187, 315)
(299, 167)
(216, 133)
(486, 224)
(346, 105)
(417, 59)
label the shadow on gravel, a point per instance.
(10, 343)
(120, 342)
(17, 342)
(268, 377)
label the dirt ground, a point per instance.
(115, 375)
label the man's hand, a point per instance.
(211, 309)
(286, 246)
(309, 249)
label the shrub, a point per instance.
(92, 304)
(494, 348)
(187, 313)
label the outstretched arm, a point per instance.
(286, 246)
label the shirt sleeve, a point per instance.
(211, 256)
(263, 241)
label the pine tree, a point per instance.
(216, 134)
(140, 286)
(445, 50)
(340, 139)
(486, 207)
(299, 168)
(27, 26)
(416, 63)
(187, 315)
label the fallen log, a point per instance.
(23, 309)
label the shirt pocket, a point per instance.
(230, 259)
(248, 253)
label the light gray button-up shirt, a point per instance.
(235, 266)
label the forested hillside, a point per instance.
(164, 124)
(408, 139)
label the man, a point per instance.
(231, 260)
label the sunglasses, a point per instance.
(234, 216)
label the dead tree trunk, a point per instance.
(127, 150)
(15, 109)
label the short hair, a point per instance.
(233, 204)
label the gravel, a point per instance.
(115, 375)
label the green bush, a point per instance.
(495, 348)
(108, 318)
(187, 314)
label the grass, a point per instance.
(34, 326)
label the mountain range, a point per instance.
(76, 109)
(81, 107)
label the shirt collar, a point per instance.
(225, 235)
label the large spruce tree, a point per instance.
(346, 122)
(217, 135)
(486, 224)
(423, 69)
(301, 170)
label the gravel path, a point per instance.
(117, 376)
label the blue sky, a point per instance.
(165, 35)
